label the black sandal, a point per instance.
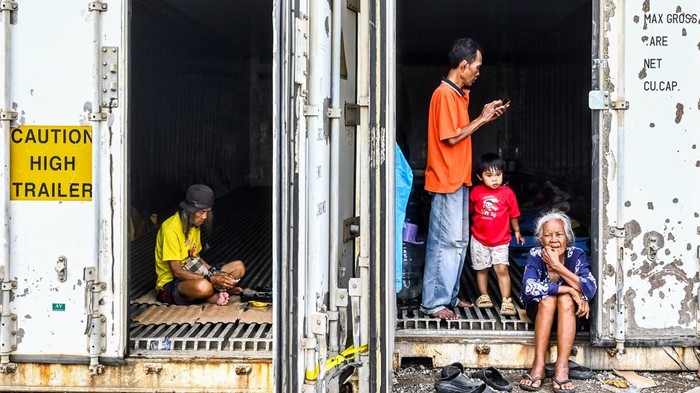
(532, 380)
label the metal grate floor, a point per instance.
(242, 230)
(410, 319)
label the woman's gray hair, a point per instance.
(551, 216)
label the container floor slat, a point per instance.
(242, 230)
(412, 320)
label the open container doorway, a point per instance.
(200, 94)
(538, 55)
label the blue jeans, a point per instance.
(448, 237)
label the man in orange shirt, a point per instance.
(448, 177)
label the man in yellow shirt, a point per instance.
(184, 277)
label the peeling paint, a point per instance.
(688, 247)
(632, 230)
(652, 125)
(685, 32)
(645, 6)
(657, 280)
(670, 237)
(643, 73)
(633, 256)
(679, 113)
(650, 205)
(675, 200)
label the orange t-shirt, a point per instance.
(448, 166)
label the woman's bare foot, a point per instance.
(532, 381)
(445, 314)
(219, 298)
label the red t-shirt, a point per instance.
(449, 167)
(491, 211)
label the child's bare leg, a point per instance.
(503, 279)
(482, 277)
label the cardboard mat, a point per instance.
(161, 313)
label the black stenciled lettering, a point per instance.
(74, 190)
(30, 136)
(15, 137)
(35, 161)
(43, 190)
(87, 190)
(652, 63)
(659, 40)
(17, 186)
(69, 163)
(653, 18)
(74, 136)
(29, 189)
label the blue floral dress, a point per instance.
(536, 282)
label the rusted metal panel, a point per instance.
(486, 352)
(144, 375)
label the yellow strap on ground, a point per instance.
(348, 354)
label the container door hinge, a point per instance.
(97, 6)
(617, 232)
(351, 228)
(109, 77)
(8, 328)
(6, 5)
(352, 114)
(600, 100)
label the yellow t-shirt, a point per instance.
(172, 245)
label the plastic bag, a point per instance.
(404, 181)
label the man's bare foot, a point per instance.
(445, 314)
(464, 303)
(219, 298)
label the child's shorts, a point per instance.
(483, 257)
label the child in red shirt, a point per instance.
(494, 209)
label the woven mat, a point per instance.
(235, 311)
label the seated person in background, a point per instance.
(557, 285)
(184, 277)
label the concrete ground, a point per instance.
(419, 378)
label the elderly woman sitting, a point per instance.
(557, 285)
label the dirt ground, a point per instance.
(419, 378)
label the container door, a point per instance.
(314, 195)
(62, 266)
(647, 108)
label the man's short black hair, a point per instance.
(490, 161)
(463, 49)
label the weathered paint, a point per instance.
(644, 60)
(144, 375)
(470, 352)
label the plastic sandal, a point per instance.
(560, 383)
(453, 381)
(484, 301)
(492, 377)
(532, 380)
(507, 307)
(576, 371)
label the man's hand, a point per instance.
(222, 280)
(493, 110)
